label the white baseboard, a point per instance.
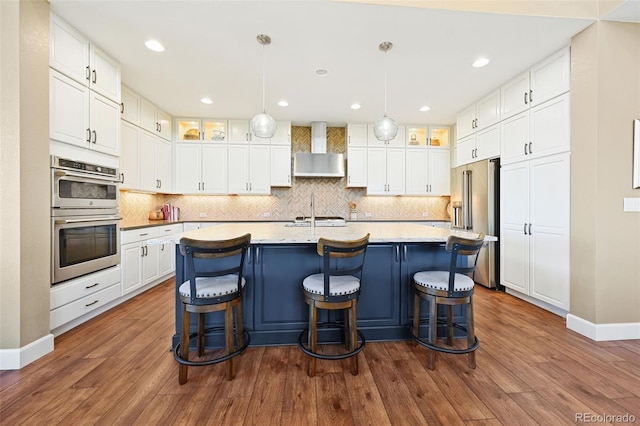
(603, 332)
(539, 303)
(15, 359)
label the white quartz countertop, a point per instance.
(279, 233)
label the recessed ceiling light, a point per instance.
(283, 103)
(206, 101)
(154, 45)
(321, 72)
(480, 62)
(356, 106)
(425, 108)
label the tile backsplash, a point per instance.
(332, 197)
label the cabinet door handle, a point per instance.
(289, 178)
(525, 98)
(529, 229)
(159, 183)
(525, 229)
(530, 95)
(88, 135)
(121, 177)
(95, 76)
(88, 72)
(257, 255)
(203, 186)
(530, 148)
(397, 253)
(160, 127)
(95, 136)
(121, 107)
(525, 149)
(198, 186)
(92, 286)
(92, 303)
(162, 247)
(250, 187)
(142, 251)
(404, 252)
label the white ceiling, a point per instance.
(211, 50)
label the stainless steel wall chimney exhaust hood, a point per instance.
(318, 163)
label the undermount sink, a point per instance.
(320, 221)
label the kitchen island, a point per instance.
(281, 256)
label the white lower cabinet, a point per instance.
(428, 171)
(534, 230)
(249, 171)
(75, 298)
(144, 263)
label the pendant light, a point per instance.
(386, 128)
(263, 125)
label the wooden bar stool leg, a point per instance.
(416, 316)
(353, 337)
(200, 334)
(450, 325)
(228, 335)
(313, 337)
(239, 324)
(184, 345)
(471, 336)
(433, 331)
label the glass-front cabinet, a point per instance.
(200, 129)
(432, 136)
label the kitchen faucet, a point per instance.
(313, 210)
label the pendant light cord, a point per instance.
(264, 110)
(385, 83)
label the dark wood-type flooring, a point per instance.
(118, 369)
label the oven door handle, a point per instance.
(93, 219)
(87, 176)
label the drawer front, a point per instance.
(61, 294)
(73, 310)
(144, 234)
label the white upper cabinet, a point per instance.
(427, 136)
(240, 132)
(130, 106)
(71, 54)
(427, 172)
(281, 165)
(546, 80)
(201, 168)
(356, 167)
(249, 170)
(356, 134)
(130, 156)
(154, 119)
(81, 117)
(481, 145)
(283, 134)
(200, 129)
(398, 141)
(542, 130)
(482, 114)
(385, 171)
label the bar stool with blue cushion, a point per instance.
(214, 283)
(450, 288)
(336, 287)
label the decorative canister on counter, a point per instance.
(353, 213)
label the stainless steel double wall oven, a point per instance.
(84, 218)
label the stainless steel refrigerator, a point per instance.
(475, 192)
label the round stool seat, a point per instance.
(338, 285)
(212, 286)
(439, 280)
